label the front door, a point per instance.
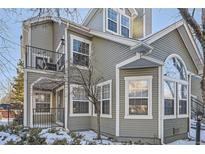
(60, 107)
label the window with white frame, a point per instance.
(169, 97)
(125, 26)
(104, 97)
(138, 96)
(42, 102)
(80, 51)
(79, 101)
(112, 20)
(175, 88)
(117, 22)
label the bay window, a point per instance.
(175, 88)
(138, 97)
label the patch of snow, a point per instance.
(60, 134)
(6, 137)
(90, 136)
(5, 121)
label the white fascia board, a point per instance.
(89, 16)
(162, 33)
(115, 38)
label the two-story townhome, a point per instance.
(149, 79)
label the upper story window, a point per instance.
(117, 22)
(80, 51)
(112, 20)
(125, 26)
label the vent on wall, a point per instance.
(175, 131)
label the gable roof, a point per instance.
(177, 26)
(92, 12)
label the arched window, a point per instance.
(175, 69)
(175, 87)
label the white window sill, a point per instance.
(103, 116)
(170, 117)
(79, 115)
(183, 116)
(43, 113)
(138, 117)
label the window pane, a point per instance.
(138, 88)
(182, 91)
(42, 97)
(169, 106)
(106, 107)
(124, 31)
(80, 107)
(174, 68)
(99, 93)
(106, 91)
(79, 93)
(138, 106)
(42, 107)
(112, 26)
(81, 47)
(169, 89)
(112, 14)
(81, 60)
(124, 21)
(182, 107)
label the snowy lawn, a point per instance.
(52, 136)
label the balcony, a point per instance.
(43, 59)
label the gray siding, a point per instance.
(196, 87)
(147, 128)
(172, 43)
(42, 35)
(79, 123)
(96, 22)
(179, 126)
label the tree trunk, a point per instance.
(98, 120)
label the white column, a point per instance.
(25, 100)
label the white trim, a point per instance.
(159, 101)
(117, 22)
(176, 82)
(66, 78)
(101, 114)
(42, 71)
(153, 60)
(117, 95)
(123, 14)
(57, 90)
(104, 19)
(25, 99)
(72, 37)
(137, 78)
(34, 101)
(144, 22)
(187, 102)
(71, 104)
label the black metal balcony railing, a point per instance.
(44, 59)
(48, 117)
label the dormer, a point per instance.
(126, 22)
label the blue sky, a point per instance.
(161, 19)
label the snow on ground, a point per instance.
(51, 137)
(90, 136)
(6, 137)
(5, 121)
(192, 135)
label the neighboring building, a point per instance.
(149, 78)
